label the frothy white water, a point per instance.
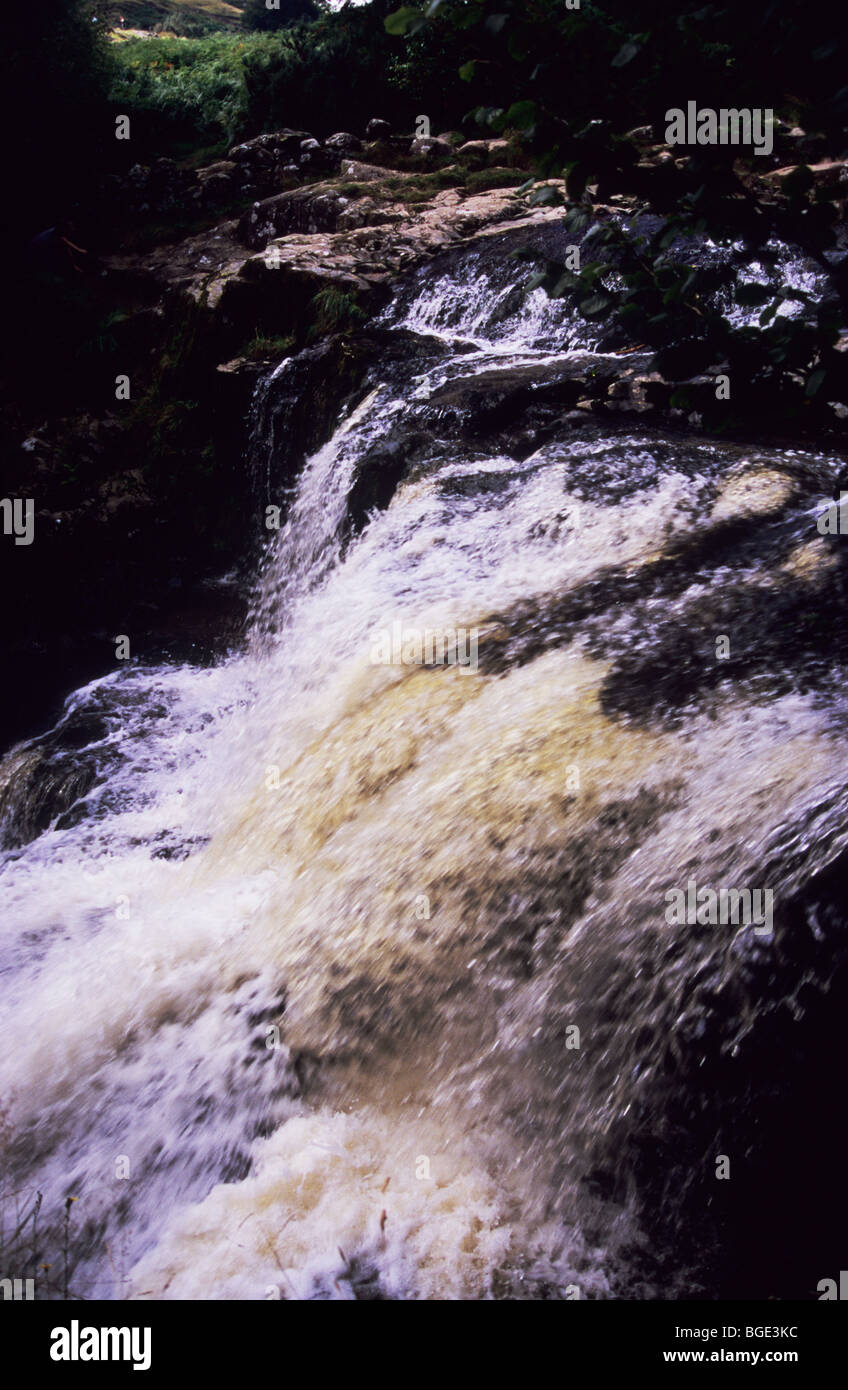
(483, 300)
(291, 989)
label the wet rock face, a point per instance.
(296, 411)
(294, 414)
(379, 475)
(41, 781)
(514, 409)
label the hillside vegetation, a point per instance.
(177, 16)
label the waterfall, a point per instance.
(350, 979)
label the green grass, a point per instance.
(262, 346)
(485, 179)
(334, 311)
(193, 87)
(205, 14)
(419, 188)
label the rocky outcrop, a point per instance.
(268, 164)
(262, 273)
(318, 208)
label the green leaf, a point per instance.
(576, 219)
(518, 50)
(468, 16)
(488, 115)
(467, 70)
(596, 304)
(401, 20)
(546, 196)
(626, 54)
(522, 115)
(577, 178)
(565, 282)
(815, 382)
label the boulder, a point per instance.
(428, 147)
(216, 184)
(830, 173)
(222, 166)
(482, 154)
(391, 150)
(311, 154)
(262, 163)
(313, 209)
(343, 143)
(641, 135)
(377, 130)
(216, 190)
(278, 144)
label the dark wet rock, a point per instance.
(377, 129)
(518, 409)
(42, 780)
(379, 474)
(493, 401)
(299, 408)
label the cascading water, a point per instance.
(353, 979)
